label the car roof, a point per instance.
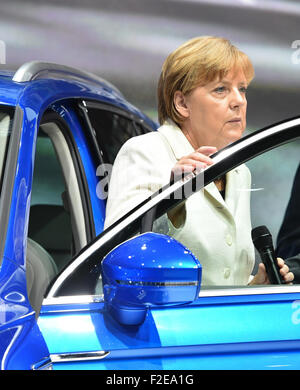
(36, 84)
(34, 71)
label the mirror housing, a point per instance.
(148, 270)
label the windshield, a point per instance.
(6, 118)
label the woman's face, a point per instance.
(215, 114)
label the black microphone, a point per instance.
(262, 240)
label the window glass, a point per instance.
(218, 230)
(6, 118)
(49, 220)
(273, 175)
(112, 130)
(272, 178)
(48, 183)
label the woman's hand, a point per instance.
(197, 160)
(262, 278)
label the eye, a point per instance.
(243, 89)
(220, 89)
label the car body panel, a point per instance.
(31, 99)
(185, 337)
(19, 332)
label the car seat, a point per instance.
(50, 226)
(40, 271)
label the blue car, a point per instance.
(76, 296)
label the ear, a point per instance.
(180, 104)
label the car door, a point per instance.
(232, 327)
(19, 333)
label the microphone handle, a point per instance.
(271, 265)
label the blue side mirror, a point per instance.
(148, 270)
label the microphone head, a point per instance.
(261, 237)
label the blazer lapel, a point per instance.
(212, 192)
(215, 195)
(176, 139)
(233, 190)
(232, 193)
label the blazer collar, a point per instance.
(232, 192)
(176, 139)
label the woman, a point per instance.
(202, 108)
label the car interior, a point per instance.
(56, 228)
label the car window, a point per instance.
(49, 220)
(272, 177)
(6, 118)
(112, 128)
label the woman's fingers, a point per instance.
(208, 150)
(192, 162)
(201, 155)
(197, 160)
(183, 168)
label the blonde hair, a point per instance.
(197, 62)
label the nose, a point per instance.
(237, 99)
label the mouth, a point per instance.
(235, 120)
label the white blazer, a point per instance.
(218, 232)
